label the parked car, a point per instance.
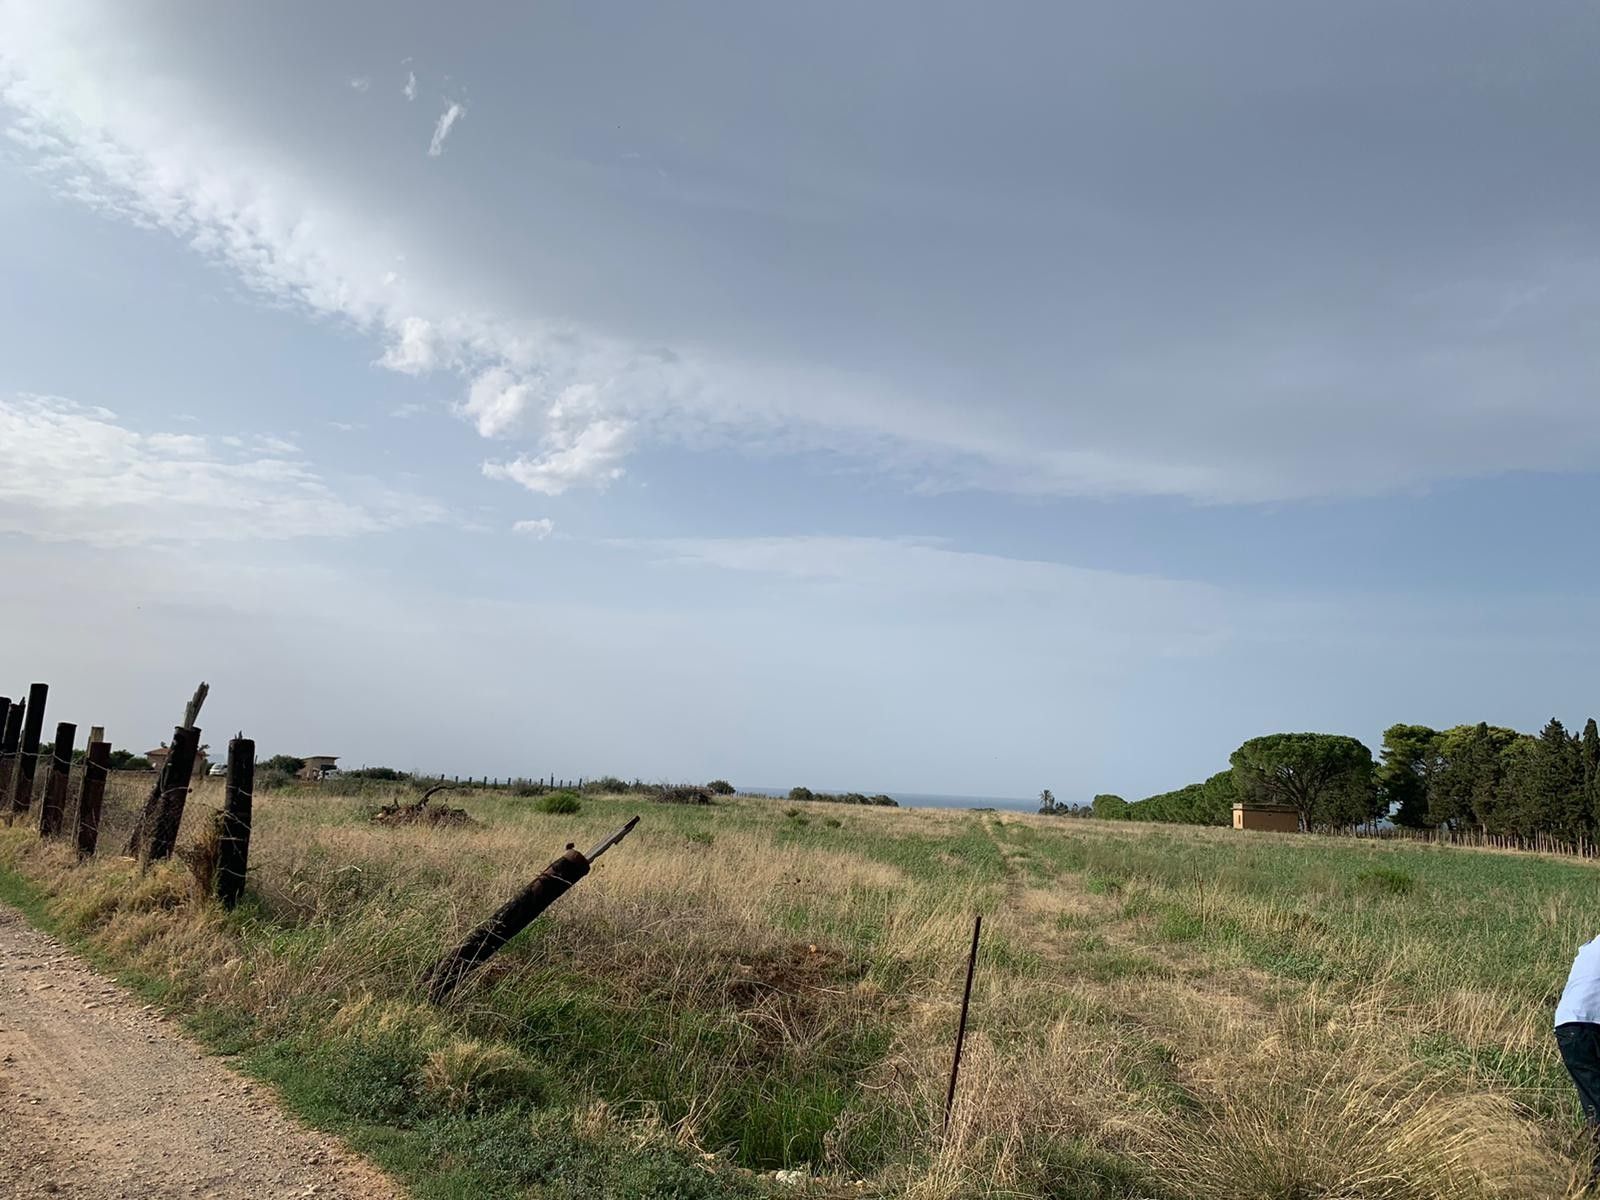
(218, 769)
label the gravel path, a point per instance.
(102, 1098)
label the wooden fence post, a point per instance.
(7, 711)
(96, 767)
(54, 806)
(163, 833)
(233, 854)
(28, 751)
(146, 821)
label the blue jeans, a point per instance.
(1579, 1043)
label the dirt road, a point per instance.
(101, 1098)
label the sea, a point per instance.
(918, 799)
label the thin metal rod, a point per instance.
(612, 840)
(961, 1029)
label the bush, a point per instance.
(1110, 808)
(563, 803)
(379, 774)
(271, 779)
(880, 800)
(286, 763)
(720, 787)
(682, 794)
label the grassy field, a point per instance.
(1159, 1012)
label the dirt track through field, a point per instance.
(101, 1098)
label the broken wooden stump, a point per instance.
(92, 796)
(53, 808)
(152, 804)
(512, 917)
(175, 777)
(233, 852)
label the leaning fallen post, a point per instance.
(146, 821)
(162, 835)
(512, 917)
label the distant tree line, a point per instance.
(1481, 778)
(1494, 780)
(880, 800)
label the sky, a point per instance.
(904, 397)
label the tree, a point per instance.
(1408, 753)
(285, 763)
(1551, 796)
(1047, 801)
(1207, 803)
(1326, 777)
(1466, 778)
(1110, 808)
(1591, 771)
(719, 787)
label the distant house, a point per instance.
(319, 766)
(158, 759)
(1274, 818)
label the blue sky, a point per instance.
(913, 398)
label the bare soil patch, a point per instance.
(102, 1098)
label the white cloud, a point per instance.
(410, 90)
(360, 83)
(1274, 411)
(441, 130)
(415, 348)
(537, 529)
(590, 455)
(497, 402)
(69, 472)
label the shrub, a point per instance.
(1110, 808)
(683, 794)
(379, 774)
(720, 787)
(272, 779)
(801, 793)
(1386, 881)
(286, 763)
(563, 803)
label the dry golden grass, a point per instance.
(1158, 1013)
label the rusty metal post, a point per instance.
(54, 806)
(961, 1029)
(91, 798)
(28, 750)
